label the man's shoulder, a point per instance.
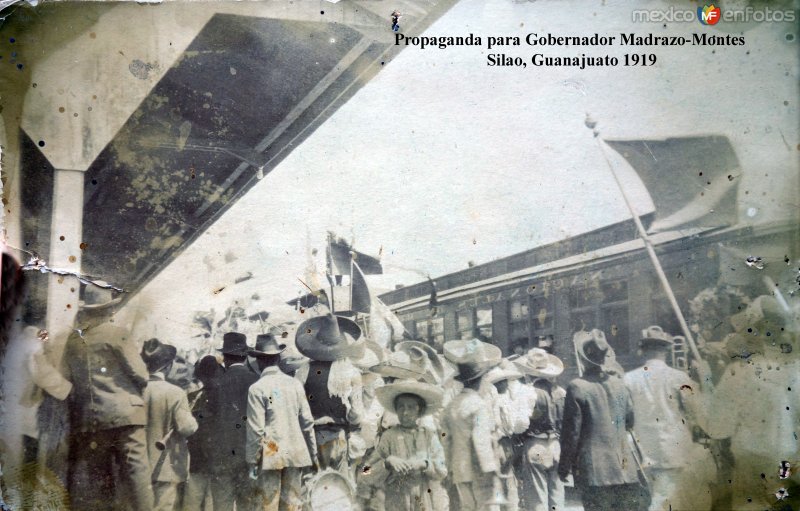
(164, 388)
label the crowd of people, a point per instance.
(338, 419)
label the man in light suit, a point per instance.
(280, 432)
(662, 402)
(468, 424)
(169, 422)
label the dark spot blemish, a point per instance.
(41, 143)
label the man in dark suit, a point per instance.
(106, 409)
(598, 413)
(228, 404)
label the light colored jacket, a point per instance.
(660, 395)
(168, 409)
(468, 423)
(280, 427)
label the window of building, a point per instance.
(437, 331)
(483, 322)
(519, 328)
(465, 324)
(603, 306)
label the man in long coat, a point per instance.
(468, 424)
(228, 405)
(169, 422)
(598, 412)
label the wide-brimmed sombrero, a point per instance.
(327, 338)
(473, 357)
(539, 363)
(504, 371)
(406, 365)
(431, 394)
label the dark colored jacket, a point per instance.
(594, 439)
(228, 403)
(201, 443)
(108, 377)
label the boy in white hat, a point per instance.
(412, 454)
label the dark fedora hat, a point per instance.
(157, 355)
(267, 345)
(234, 343)
(327, 338)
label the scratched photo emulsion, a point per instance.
(400, 255)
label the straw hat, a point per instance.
(473, 357)
(655, 336)
(414, 348)
(406, 365)
(504, 371)
(540, 363)
(592, 347)
(431, 394)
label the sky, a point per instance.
(441, 160)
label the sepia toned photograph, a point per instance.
(400, 255)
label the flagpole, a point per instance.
(648, 246)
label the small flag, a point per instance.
(340, 253)
(360, 298)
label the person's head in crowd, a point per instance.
(546, 343)
(409, 408)
(206, 370)
(593, 351)
(98, 305)
(655, 344)
(500, 376)
(267, 351)
(234, 348)
(157, 356)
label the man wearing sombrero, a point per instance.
(537, 469)
(598, 412)
(106, 409)
(332, 383)
(468, 424)
(280, 432)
